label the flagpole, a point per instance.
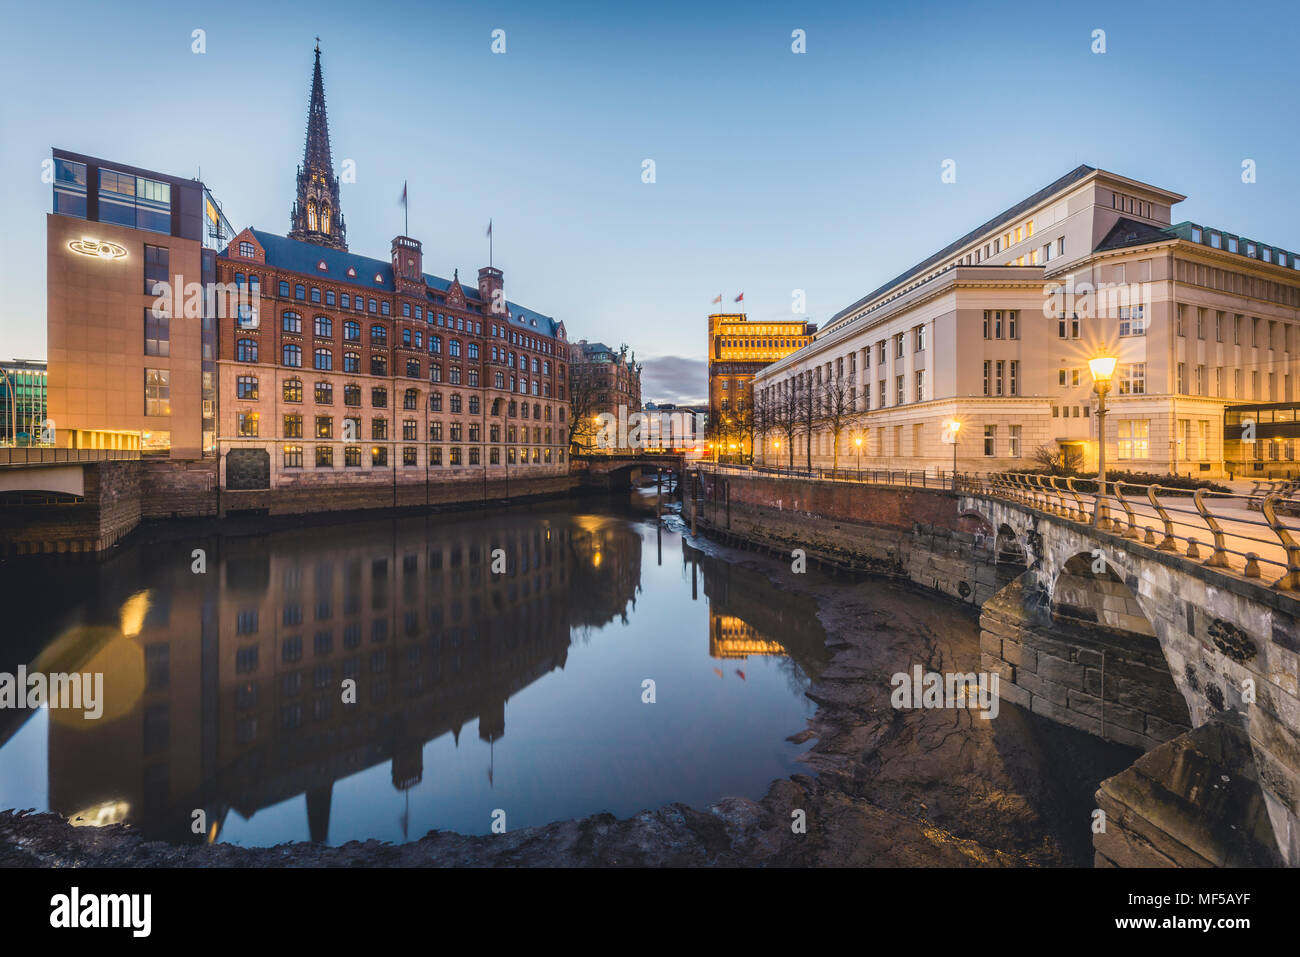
(406, 210)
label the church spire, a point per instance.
(316, 217)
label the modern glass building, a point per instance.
(23, 407)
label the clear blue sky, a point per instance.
(775, 171)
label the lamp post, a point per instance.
(858, 442)
(1103, 368)
(954, 427)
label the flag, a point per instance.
(740, 298)
(403, 200)
(719, 299)
(489, 230)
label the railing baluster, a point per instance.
(1291, 580)
(1169, 544)
(1219, 558)
(1131, 531)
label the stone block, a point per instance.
(1066, 673)
(1057, 694)
(1063, 715)
(1014, 694)
(991, 643)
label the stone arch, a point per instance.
(1087, 588)
(1009, 549)
(978, 526)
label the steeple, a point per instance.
(316, 217)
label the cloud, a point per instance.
(675, 379)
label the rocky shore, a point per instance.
(886, 787)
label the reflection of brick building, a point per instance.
(738, 349)
(239, 706)
(359, 371)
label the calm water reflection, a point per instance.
(520, 691)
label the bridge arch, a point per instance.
(1087, 588)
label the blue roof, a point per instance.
(303, 257)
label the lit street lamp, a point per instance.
(954, 427)
(1102, 367)
(858, 442)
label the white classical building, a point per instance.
(995, 331)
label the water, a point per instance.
(476, 692)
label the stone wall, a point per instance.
(914, 534)
(110, 509)
(1111, 683)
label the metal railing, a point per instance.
(1218, 529)
(1242, 533)
(38, 455)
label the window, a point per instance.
(410, 399)
(1133, 378)
(920, 385)
(351, 362)
(352, 395)
(293, 456)
(379, 428)
(292, 390)
(410, 430)
(156, 267)
(351, 331)
(988, 364)
(324, 457)
(291, 322)
(413, 368)
(157, 392)
(246, 387)
(1013, 441)
(379, 397)
(292, 355)
(293, 426)
(1013, 376)
(299, 291)
(1134, 438)
(157, 334)
(70, 189)
(352, 457)
(246, 350)
(408, 456)
(378, 365)
(379, 454)
(248, 424)
(990, 440)
(378, 334)
(323, 360)
(324, 393)
(324, 426)
(323, 327)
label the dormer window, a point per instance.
(379, 278)
(247, 250)
(352, 272)
(322, 267)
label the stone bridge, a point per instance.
(1231, 644)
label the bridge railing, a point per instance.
(26, 456)
(1240, 532)
(906, 478)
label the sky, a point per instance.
(774, 171)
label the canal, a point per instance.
(385, 678)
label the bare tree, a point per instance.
(761, 423)
(786, 414)
(1063, 460)
(837, 408)
(583, 412)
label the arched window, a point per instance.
(246, 350)
(324, 327)
(311, 214)
(352, 331)
(378, 365)
(351, 362)
(453, 347)
(435, 345)
(292, 322)
(325, 220)
(293, 355)
(324, 360)
(378, 335)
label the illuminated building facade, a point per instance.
(738, 351)
(23, 401)
(347, 370)
(120, 376)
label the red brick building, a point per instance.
(359, 371)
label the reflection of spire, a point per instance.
(318, 812)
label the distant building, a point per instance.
(738, 351)
(603, 381)
(23, 395)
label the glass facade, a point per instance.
(22, 403)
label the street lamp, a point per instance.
(1102, 367)
(954, 428)
(858, 442)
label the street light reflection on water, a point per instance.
(475, 692)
